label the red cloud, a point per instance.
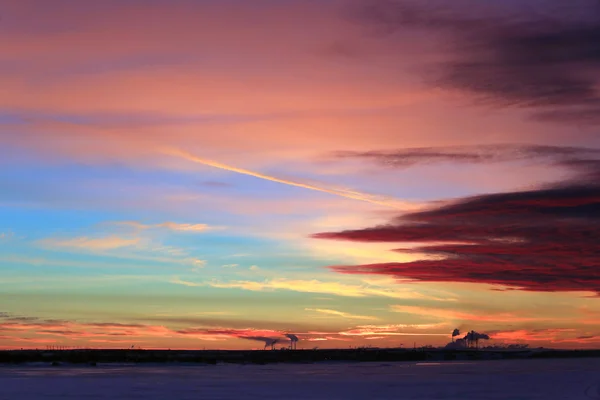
(116, 332)
(552, 336)
(540, 240)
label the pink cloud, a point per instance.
(243, 110)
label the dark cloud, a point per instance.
(60, 332)
(544, 54)
(232, 323)
(575, 157)
(218, 331)
(267, 336)
(576, 116)
(23, 319)
(268, 341)
(114, 325)
(540, 240)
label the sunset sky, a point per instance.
(207, 173)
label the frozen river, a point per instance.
(519, 379)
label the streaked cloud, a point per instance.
(449, 154)
(182, 282)
(396, 330)
(541, 239)
(174, 226)
(554, 336)
(312, 286)
(94, 244)
(350, 194)
(402, 158)
(87, 331)
(457, 315)
(341, 314)
(132, 247)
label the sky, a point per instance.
(213, 173)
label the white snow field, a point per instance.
(520, 379)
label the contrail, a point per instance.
(350, 194)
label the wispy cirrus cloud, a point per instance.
(100, 330)
(138, 248)
(396, 330)
(132, 243)
(173, 226)
(453, 315)
(95, 244)
(182, 282)
(103, 331)
(313, 286)
(554, 336)
(14, 328)
(343, 192)
(341, 314)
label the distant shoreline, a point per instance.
(134, 356)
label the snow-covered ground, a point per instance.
(520, 379)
